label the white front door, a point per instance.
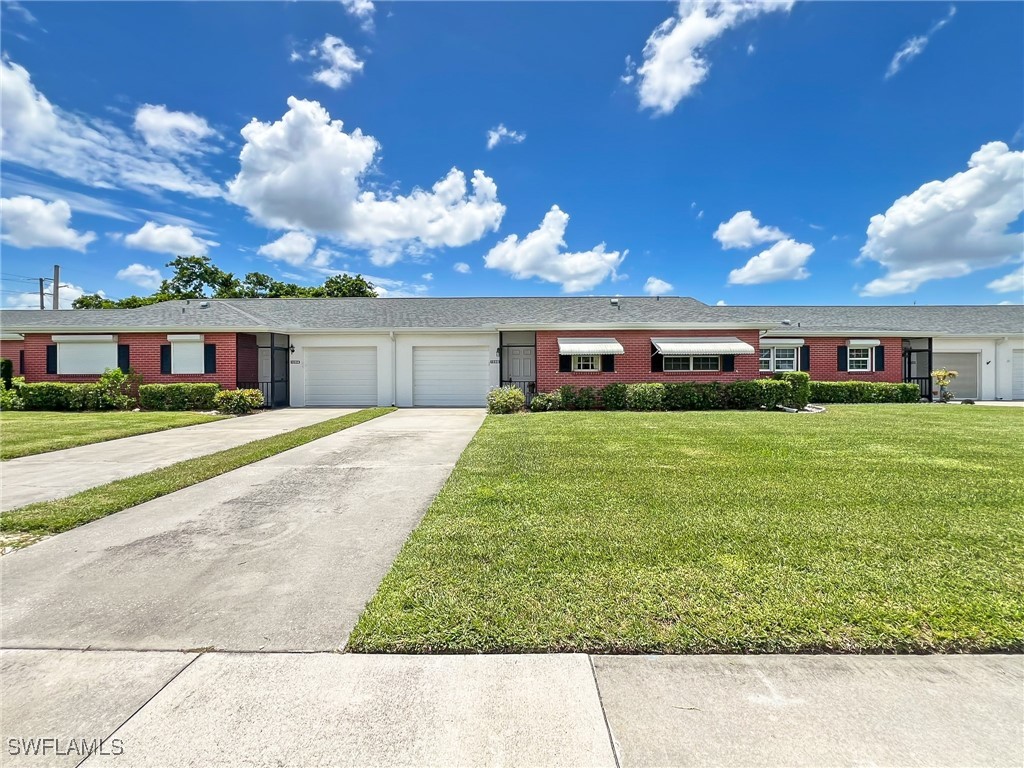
(452, 376)
(522, 364)
(341, 375)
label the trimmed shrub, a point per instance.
(613, 397)
(863, 392)
(505, 400)
(10, 400)
(759, 393)
(552, 401)
(117, 390)
(587, 399)
(178, 397)
(692, 396)
(60, 396)
(238, 401)
(800, 382)
(6, 372)
(645, 397)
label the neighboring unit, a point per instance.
(450, 352)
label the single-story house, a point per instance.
(450, 352)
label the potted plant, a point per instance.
(944, 377)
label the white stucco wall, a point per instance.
(394, 382)
(995, 379)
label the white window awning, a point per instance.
(589, 347)
(865, 342)
(766, 342)
(714, 345)
(84, 338)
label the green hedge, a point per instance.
(863, 392)
(800, 384)
(178, 397)
(508, 399)
(674, 396)
(61, 396)
(238, 401)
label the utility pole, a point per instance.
(42, 293)
(56, 286)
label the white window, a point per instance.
(859, 359)
(187, 357)
(586, 362)
(778, 359)
(673, 363)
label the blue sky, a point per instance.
(738, 154)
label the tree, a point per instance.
(347, 286)
(194, 275)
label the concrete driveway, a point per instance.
(279, 555)
(58, 474)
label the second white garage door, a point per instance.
(450, 376)
(965, 385)
(1018, 374)
(341, 375)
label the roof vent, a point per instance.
(204, 305)
(614, 302)
(786, 322)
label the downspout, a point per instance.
(394, 368)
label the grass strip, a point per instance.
(26, 433)
(48, 517)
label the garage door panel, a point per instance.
(965, 385)
(1018, 374)
(450, 376)
(341, 376)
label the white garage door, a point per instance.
(450, 376)
(965, 385)
(341, 375)
(1018, 374)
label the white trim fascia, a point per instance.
(626, 326)
(64, 329)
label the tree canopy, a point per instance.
(197, 277)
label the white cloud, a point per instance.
(785, 260)
(141, 275)
(340, 63)
(540, 254)
(13, 6)
(674, 56)
(496, 136)
(950, 228)
(180, 132)
(361, 10)
(721, 303)
(304, 172)
(629, 75)
(744, 231)
(428, 276)
(1011, 283)
(30, 299)
(657, 287)
(28, 222)
(915, 46)
(173, 239)
(297, 249)
(751, 50)
(39, 135)
(461, 267)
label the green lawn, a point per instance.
(23, 433)
(25, 524)
(866, 528)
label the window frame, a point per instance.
(595, 361)
(773, 366)
(690, 363)
(197, 357)
(69, 357)
(869, 359)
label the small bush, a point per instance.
(863, 392)
(800, 382)
(691, 396)
(505, 400)
(567, 396)
(60, 396)
(645, 397)
(552, 401)
(759, 393)
(10, 400)
(6, 372)
(178, 397)
(238, 401)
(117, 390)
(613, 397)
(587, 399)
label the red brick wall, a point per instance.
(144, 356)
(824, 359)
(10, 350)
(635, 364)
(248, 363)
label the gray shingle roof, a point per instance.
(293, 315)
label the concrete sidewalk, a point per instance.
(58, 474)
(212, 709)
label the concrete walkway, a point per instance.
(62, 473)
(279, 555)
(185, 709)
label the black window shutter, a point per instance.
(165, 358)
(805, 358)
(657, 360)
(209, 358)
(841, 364)
(728, 363)
(879, 358)
(608, 363)
(564, 363)
(123, 357)
(51, 358)
(21, 362)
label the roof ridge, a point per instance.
(239, 310)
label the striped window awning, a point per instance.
(589, 347)
(716, 345)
